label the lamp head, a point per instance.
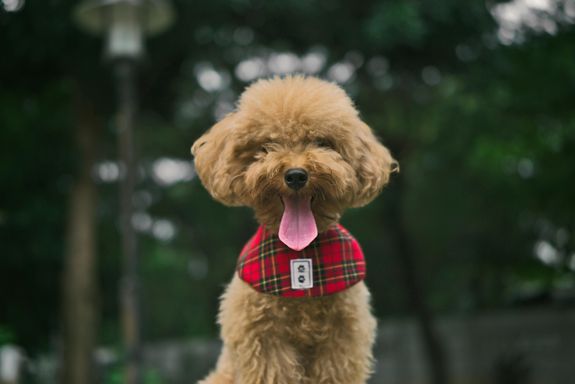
(124, 23)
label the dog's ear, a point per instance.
(214, 161)
(374, 165)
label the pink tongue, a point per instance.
(297, 227)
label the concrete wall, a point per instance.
(535, 347)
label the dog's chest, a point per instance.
(308, 322)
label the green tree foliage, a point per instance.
(484, 134)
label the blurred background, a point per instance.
(471, 248)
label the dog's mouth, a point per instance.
(297, 226)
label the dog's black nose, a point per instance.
(295, 178)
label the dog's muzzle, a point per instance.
(295, 178)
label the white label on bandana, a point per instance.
(301, 274)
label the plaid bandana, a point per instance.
(331, 263)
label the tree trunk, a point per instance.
(413, 284)
(79, 279)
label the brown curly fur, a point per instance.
(283, 123)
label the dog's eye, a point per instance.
(323, 143)
(267, 147)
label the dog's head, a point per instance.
(295, 151)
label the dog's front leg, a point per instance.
(263, 360)
(346, 357)
(255, 339)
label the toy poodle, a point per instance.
(297, 310)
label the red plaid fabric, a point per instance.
(337, 261)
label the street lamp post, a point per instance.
(129, 285)
(125, 22)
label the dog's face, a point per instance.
(296, 152)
